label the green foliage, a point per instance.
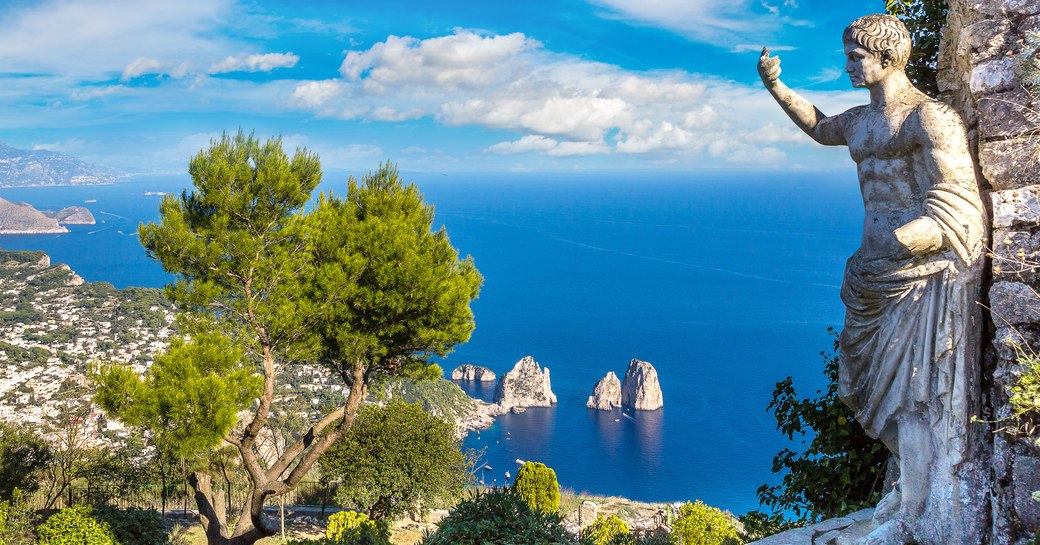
(699, 524)
(75, 526)
(924, 19)
(536, 484)
(353, 528)
(841, 467)
(22, 454)
(395, 291)
(134, 526)
(498, 517)
(189, 397)
(393, 457)
(1025, 392)
(18, 521)
(604, 531)
(438, 397)
(758, 525)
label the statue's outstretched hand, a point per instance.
(768, 68)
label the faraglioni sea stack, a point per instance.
(641, 390)
(606, 396)
(527, 385)
(472, 372)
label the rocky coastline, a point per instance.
(24, 219)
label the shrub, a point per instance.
(840, 469)
(134, 526)
(17, 521)
(499, 517)
(75, 526)
(353, 528)
(604, 530)
(703, 525)
(394, 458)
(536, 484)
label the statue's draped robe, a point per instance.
(904, 347)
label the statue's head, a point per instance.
(875, 45)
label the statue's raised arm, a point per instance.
(808, 117)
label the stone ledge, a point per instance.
(997, 8)
(1008, 114)
(836, 531)
(1014, 253)
(1016, 207)
(1010, 164)
(1013, 303)
(993, 76)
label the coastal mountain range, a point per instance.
(26, 168)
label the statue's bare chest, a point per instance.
(880, 134)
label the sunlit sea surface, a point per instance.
(726, 283)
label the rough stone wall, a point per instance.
(979, 75)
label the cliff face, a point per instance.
(473, 373)
(527, 385)
(606, 396)
(20, 218)
(641, 389)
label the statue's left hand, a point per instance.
(920, 236)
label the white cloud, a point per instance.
(93, 92)
(92, 38)
(461, 60)
(560, 105)
(140, 67)
(719, 23)
(548, 146)
(254, 62)
(529, 143)
(757, 48)
(316, 94)
(62, 146)
(827, 75)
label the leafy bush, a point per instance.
(17, 521)
(1025, 392)
(536, 484)
(604, 530)
(353, 528)
(499, 517)
(22, 453)
(841, 468)
(134, 526)
(75, 526)
(703, 525)
(395, 457)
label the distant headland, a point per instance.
(33, 168)
(23, 219)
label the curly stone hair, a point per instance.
(877, 33)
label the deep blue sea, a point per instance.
(725, 282)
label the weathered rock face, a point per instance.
(606, 396)
(473, 372)
(527, 385)
(984, 47)
(641, 389)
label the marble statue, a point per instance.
(909, 350)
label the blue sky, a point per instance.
(442, 86)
